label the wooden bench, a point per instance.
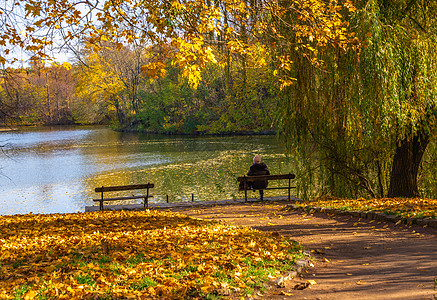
(105, 189)
(246, 179)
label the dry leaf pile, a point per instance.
(135, 255)
(405, 207)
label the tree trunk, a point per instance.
(406, 162)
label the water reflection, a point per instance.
(56, 170)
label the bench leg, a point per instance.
(245, 188)
(289, 187)
(101, 197)
(146, 200)
(261, 195)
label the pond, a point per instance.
(55, 170)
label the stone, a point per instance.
(355, 213)
(292, 274)
(379, 216)
(432, 223)
(422, 222)
(391, 218)
(410, 221)
(280, 282)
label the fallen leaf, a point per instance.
(286, 293)
(301, 286)
(30, 295)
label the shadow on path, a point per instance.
(355, 258)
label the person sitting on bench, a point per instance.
(258, 168)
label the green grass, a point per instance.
(85, 279)
(21, 291)
(142, 284)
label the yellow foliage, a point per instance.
(66, 65)
(406, 207)
(188, 23)
(125, 254)
(154, 69)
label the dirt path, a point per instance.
(355, 258)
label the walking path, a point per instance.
(188, 205)
(355, 258)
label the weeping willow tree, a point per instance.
(362, 119)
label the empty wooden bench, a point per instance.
(246, 179)
(105, 189)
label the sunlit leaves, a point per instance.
(406, 207)
(241, 26)
(130, 254)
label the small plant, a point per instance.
(138, 258)
(144, 283)
(435, 287)
(85, 279)
(21, 291)
(104, 260)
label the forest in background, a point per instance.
(109, 87)
(351, 85)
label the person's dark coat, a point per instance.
(258, 170)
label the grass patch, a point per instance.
(85, 279)
(143, 283)
(21, 291)
(404, 207)
(121, 254)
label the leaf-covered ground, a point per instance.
(135, 255)
(405, 207)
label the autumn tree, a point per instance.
(37, 94)
(190, 26)
(16, 99)
(99, 86)
(370, 111)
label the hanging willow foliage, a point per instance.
(347, 117)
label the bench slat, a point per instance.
(280, 188)
(123, 198)
(266, 177)
(124, 187)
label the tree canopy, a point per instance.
(371, 112)
(188, 29)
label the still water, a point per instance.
(55, 170)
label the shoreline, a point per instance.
(5, 128)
